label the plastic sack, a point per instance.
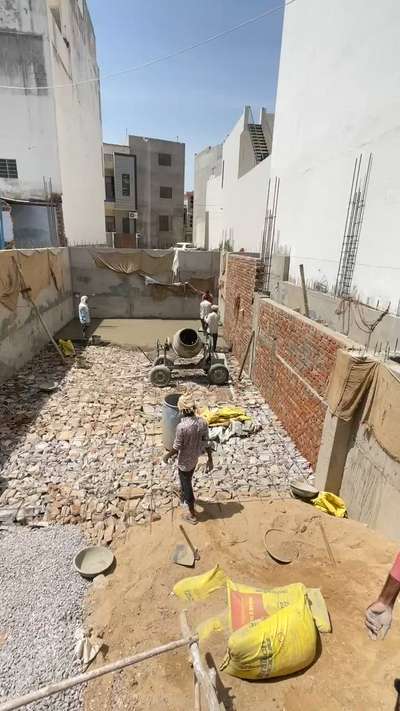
(199, 587)
(67, 347)
(330, 503)
(247, 604)
(281, 644)
(218, 623)
(319, 610)
(224, 415)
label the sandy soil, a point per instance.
(135, 611)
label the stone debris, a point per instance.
(89, 452)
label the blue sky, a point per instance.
(199, 95)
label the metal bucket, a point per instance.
(170, 419)
(186, 343)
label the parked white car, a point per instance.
(185, 245)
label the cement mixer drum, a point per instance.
(186, 343)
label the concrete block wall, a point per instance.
(21, 334)
(115, 295)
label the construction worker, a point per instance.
(205, 308)
(84, 315)
(212, 321)
(191, 440)
(378, 617)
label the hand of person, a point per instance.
(378, 619)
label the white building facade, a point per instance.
(339, 97)
(236, 192)
(50, 137)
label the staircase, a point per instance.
(258, 140)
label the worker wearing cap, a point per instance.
(212, 321)
(378, 618)
(191, 440)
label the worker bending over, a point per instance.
(191, 440)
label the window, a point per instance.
(126, 228)
(126, 184)
(163, 222)
(165, 192)
(164, 159)
(8, 168)
(110, 188)
(110, 223)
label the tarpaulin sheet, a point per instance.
(56, 269)
(141, 261)
(382, 411)
(35, 269)
(9, 281)
(350, 381)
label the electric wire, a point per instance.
(157, 60)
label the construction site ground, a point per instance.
(130, 331)
(86, 457)
(134, 610)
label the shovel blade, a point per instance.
(182, 555)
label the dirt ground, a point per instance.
(135, 610)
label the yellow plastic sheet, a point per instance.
(67, 347)
(275, 646)
(199, 587)
(224, 415)
(330, 503)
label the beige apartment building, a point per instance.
(144, 192)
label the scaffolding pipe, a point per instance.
(55, 688)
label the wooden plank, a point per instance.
(246, 354)
(206, 687)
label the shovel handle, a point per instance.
(188, 541)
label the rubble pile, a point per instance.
(89, 452)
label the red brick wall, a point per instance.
(294, 356)
(243, 277)
(293, 362)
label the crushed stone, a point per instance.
(40, 611)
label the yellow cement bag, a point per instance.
(199, 587)
(330, 503)
(247, 604)
(278, 645)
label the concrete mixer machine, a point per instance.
(187, 351)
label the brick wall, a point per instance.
(294, 358)
(244, 277)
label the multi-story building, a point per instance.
(231, 184)
(188, 216)
(50, 123)
(207, 163)
(144, 183)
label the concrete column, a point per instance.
(332, 453)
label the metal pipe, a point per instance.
(55, 688)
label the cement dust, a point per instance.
(136, 611)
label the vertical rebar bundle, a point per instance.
(352, 229)
(268, 236)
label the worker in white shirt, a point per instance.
(212, 323)
(205, 308)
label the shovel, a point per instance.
(185, 555)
